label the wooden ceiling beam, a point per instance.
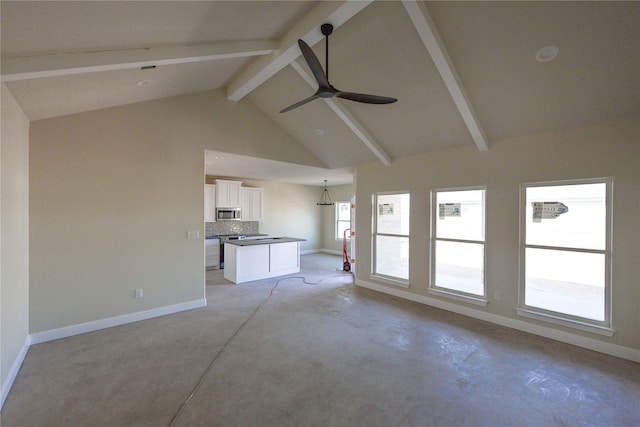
(429, 35)
(307, 28)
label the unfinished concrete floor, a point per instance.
(328, 354)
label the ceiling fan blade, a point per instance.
(314, 64)
(367, 99)
(299, 103)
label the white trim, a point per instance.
(560, 318)
(324, 251)
(616, 350)
(428, 33)
(391, 281)
(433, 286)
(95, 325)
(345, 115)
(458, 296)
(564, 321)
(307, 28)
(13, 372)
(332, 252)
(65, 64)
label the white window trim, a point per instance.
(395, 281)
(335, 225)
(447, 292)
(558, 318)
(457, 295)
(392, 280)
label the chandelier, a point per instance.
(325, 198)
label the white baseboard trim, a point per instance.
(310, 251)
(81, 328)
(324, 251)
(13, 372)
(554, 334)
(331, 251)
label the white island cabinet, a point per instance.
(247, 260)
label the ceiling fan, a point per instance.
(325, 89)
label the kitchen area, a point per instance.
(234, 242)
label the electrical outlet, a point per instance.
(496, 295)
(138, 293)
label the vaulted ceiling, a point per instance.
(464, 73)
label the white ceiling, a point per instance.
(221, 164)
(465, 73)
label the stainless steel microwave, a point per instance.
(228, 214)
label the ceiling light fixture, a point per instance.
(547, 53)
(325, 198)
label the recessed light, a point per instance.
(143, 83)
(319, 132)
(547, 53)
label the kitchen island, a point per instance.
(247, 260)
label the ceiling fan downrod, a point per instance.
(327, 30)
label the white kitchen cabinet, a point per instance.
(251, 205)
(228, 193)
(245, 261)
(284, 257)
(209, 203)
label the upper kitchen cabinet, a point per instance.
(209, 203)
(251, 204)
(228, 193)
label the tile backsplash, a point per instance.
(231, 227)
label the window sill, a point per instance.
(563, 321)
(391, 281)
(460, 297)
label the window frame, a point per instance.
(577, 322)
(393, 280)
(448, 292)
(338, 221)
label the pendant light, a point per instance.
(325, 198)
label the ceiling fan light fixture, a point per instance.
(325, 198)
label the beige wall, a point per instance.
(603, 150)
(14, 232)
(113, 194)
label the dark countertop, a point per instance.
(265, 241)
(217, 236)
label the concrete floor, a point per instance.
(328, 354)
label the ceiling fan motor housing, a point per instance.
(326, 29)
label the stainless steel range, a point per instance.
(226, 238)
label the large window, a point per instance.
(343, 219)
(566, 254)
(391, 237)
(458, 242)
